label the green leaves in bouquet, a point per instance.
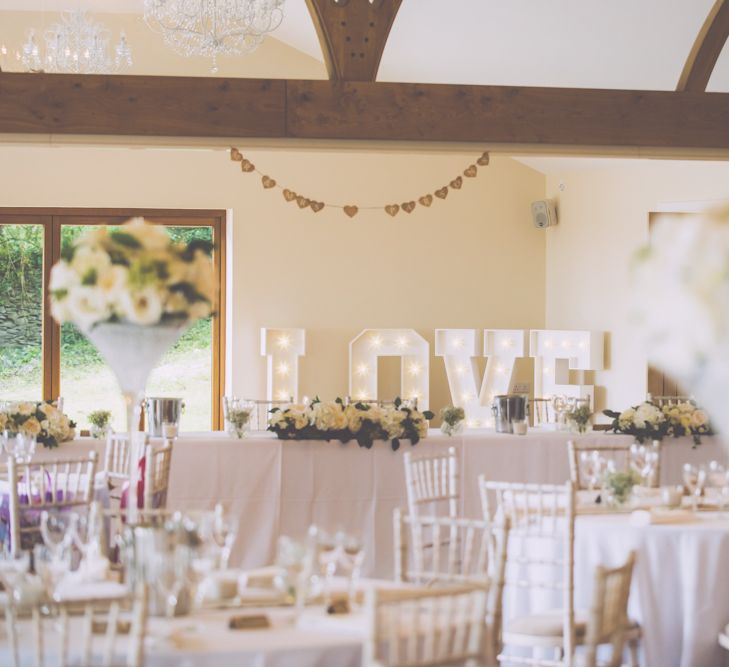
(125, 239)
(188, 254)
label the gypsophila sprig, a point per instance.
(362, 422)
(134, 273)
(40, 419)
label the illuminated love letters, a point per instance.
(282, 349)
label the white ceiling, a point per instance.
(581, 43)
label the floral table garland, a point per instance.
(357, 421)
(44, 420)
(648, 421)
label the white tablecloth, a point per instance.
(680, 592)
(280, 487)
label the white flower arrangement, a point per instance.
(357, 421)
(648, 421)
(133, 274)
(43, 420)
(681, 305)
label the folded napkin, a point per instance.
(660, 515)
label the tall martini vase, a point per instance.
(132, 352)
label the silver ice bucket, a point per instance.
(159, 411)
(507, 409)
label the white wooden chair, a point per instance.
(157, 476)
(425, 628)
(88, 631)
(474, 553)
(432, 481)
(541, 550)
(619, 454)
(608, 621)
(45, 485)
(116, 462)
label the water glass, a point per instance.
(19, 446)
(58, 529)
(225, 530)
(694, 477)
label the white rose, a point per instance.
(142, 307)
(25, 408)
(151, 236)
(88, 259)
(354, 418)
(63, 277)
(87, 306)
(329, 416)
(392, 423)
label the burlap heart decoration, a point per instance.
(289, 195)
(316, 206)
(456, 183)
(247, 166)
(408, 206)
(471, 171)
(442, 193)
(302, 201)
(351, 211)
(426, 200)
(235, 155)
(268, 182)
(483, 160)
(392, 209)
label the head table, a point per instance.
(281, 487)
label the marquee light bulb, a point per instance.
(500, 370)
(283, 395)
(507, 342)
(548, 343)
(457, 343)
(581, 345)
(363, 369)
(566, 344)
(284, 341)
(402, 341)
(414, 369)
(376, 341)
(546, 370)
(460, 370)
(283, 369)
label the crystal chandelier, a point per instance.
(211, 28)
(77, 44)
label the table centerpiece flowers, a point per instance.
(100, 421)
(579, 419)
(39, 419)
(651, 422)
(644, 422)
(132, 291)
(365, 423)
(452, 417)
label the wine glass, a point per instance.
(172, 574)
(225, 530)
(87, 532)
(694, 477)
(19, 446)
(58, 528)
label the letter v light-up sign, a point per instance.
(459, 349)
(556, 353)
(407, 344)
(282, 349)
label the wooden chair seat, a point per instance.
(549, 624)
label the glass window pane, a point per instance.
(21, 312)
(185, 372)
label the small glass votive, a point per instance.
(520, 427)
(169, 430)
(671, 496)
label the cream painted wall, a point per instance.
(474, 260)
(273, 59)
(603, 217)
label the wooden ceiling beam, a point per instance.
(353, 34)
(105, 105)
(706, 49)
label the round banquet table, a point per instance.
(680, 591)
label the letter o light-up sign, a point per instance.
(407, 344)
(459, 349)
(282, 349)
(556, 353)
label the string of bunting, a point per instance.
(353, 209)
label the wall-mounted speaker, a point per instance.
(544, 213)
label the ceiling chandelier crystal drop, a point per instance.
(78, 44)
(212, 28)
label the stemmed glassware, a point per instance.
(20, 446)
(594, 467)
(172, 571)
(58, 529)
(694, 477)
(644, 461)
(341, 556)
(225, 530)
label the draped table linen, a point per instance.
(281, 487)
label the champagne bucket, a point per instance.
(507, 409)
(158, 411)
